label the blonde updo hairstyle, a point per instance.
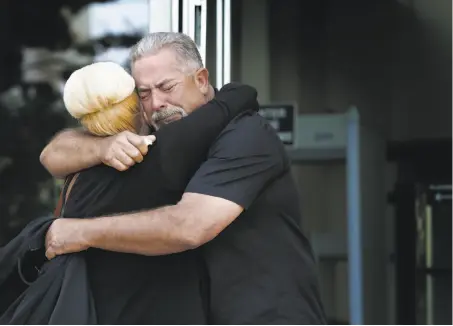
(102, 97)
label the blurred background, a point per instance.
(359, 91)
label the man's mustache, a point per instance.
(165, 113)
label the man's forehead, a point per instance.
(151, 75)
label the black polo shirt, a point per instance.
(261, 267)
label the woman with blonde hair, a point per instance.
(127, 288)
(102, 97)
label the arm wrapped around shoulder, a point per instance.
(102, 97)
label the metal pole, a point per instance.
(354, 220)
(219, 44)
(227, 41)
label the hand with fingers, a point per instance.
(124, 149)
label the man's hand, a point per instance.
(124, 149)
(64, 236)
(74, 150)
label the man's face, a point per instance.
(167, 93)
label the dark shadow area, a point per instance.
(423, 237)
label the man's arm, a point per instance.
(73, 150)
(195, 220)
(246, 158)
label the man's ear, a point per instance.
(202, 80)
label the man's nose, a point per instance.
(158, 102)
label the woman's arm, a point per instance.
(71, 150)
(183, 145)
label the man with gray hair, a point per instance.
(241, 207)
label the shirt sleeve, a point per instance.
(246, 157)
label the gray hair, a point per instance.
(185, 48)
